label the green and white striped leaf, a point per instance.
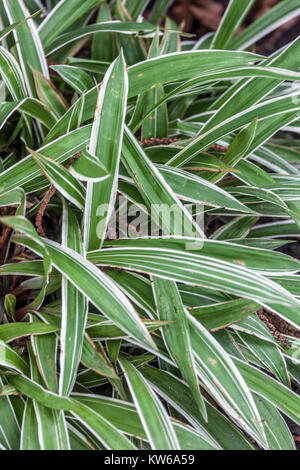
(74, 310)
(218, 429)
(232, 19)
(176, 334)
(49, 95)
(65, 13)
(202, 270)
(11, 360)
(11, 331)
(274, 392)
(61, 178)
(153, 416)
(105, 144)
(73, 76)
(94, 422)
(9, 426)
(89, 280)
(223, 380)
(29, 47)
(272, 19)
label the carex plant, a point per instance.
(178, 339)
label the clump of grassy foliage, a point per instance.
(153, 342)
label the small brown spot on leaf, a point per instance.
(238, 261)
(213, 361)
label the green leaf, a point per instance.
(62, 17)
(89, 280)
(237, 150)
(262, 111)
(9, 426)
(218, 430)
(104, 46)
(10, 359)
(224, 381)
(201, 270)
(44, 349)
(8, 29)
(277, 432)
(159, 10)
(266, 261)
(135, 7)
(61, 178)
(106, 144)
(29, 432)
(73, 312)
(12, 331)
(89, 168)
(95, 423)
(155, 192)
(16, 196)
(217, 316)
(153, 416)
(272, 19)
(195, 189)
(28, 43)
(231, 20)
(225, 74)
(73, 76)
(12, 75)
(29, 106)
(25, 173)
(161, 70)
(108, 26)
(49, 95)
(125, 417)
(274, 392)
(177, 334)
(94, 359)
(268, 355)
